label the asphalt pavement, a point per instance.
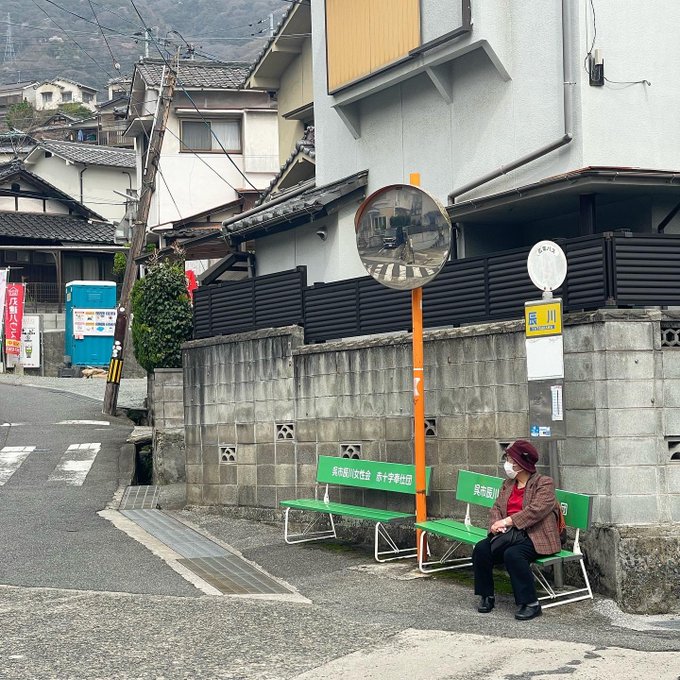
(94, 603)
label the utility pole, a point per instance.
(168, 82)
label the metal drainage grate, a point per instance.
(221, 568)
(233, 576)
(140, 497)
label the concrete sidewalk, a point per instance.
(398, 624)
(131, 395)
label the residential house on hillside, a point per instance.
(47, 238)
(220, 145)
(12, 93)
(50, 94)
(96, 176)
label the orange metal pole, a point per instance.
(419, 408)
(418, 398)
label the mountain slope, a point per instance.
(44, 34)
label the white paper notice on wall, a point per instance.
(545, 357)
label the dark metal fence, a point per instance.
(612, 269)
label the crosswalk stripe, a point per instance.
(83, 422)
(10, 424)
(11, 458)
(75, 464)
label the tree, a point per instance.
(76, 110)
(21, 116)
(162, 318)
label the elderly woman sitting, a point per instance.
(527, 509)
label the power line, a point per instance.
(71, 38)
(193, 103)
(116, 65)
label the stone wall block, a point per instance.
(451, 402)
(512, 398)
(264, 432)
(327, 430)
(266, 475)
(306, 454)
(226, 433)
(452, 427)
(287, 493)
(194, 455)
(209, 435)
(349, 429)
(245, 433)
(579, 451)
(633, 450)
(372, 428)
(246, 475)
(453, 452)
(265, 454)
(634, 422)
(399, 452)
(580, 423)
(284, 475)
(630, 335)
(579, 338)
(631, 393)
(244, 411)
(634, 510)
(284, 452)
(483, 425)
(247, 496)
(633, 480)
(228, 474)
(579, 395)
(480, 399)
(484, 452)
(673, 477)
(194, 474)
(399, 427)
(228, 494)
(211, 494)
(637, 365)
(306, 474)
(584, 366)
(194, 494)
(511, 426)
(580, 479)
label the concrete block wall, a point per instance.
(261, 407)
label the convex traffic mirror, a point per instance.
(403, 236)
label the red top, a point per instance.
(516, 500)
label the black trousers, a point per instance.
(517, 560)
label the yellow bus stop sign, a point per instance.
(543, 318)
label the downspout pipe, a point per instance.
(82, 172)
(568, 105)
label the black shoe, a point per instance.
(486, 604)
(528, 611)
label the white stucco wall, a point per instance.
(99, 183)
(201, 181)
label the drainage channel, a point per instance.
(224, 569)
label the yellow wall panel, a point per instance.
(365, 35)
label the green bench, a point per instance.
(362, 474)
(477, 489)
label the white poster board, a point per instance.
(30, 342)
(545, 357)
(93, 322)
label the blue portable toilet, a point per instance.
(90, 322)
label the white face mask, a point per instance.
(507, 466)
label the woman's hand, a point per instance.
(501, 525)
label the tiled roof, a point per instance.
(205, 74)
(54, 228)
(311, 201)
(90, 154)
(306, 146)
(11, 87)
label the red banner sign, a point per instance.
(14, 317)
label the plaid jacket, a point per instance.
(538, 514)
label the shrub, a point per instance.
(162, 318)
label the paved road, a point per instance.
(54, 477)
(78, 599)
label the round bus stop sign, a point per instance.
(547, 266)
(403, 236)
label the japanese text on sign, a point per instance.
(14, 313)
(93, 322)
(485, 491)
(543, 319)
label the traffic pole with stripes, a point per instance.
(116, 364)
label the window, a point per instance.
(200, 136)
(87, 97)
(46, 97)
(362, 36)
(67, 96)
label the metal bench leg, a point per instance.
(445, 563)
(556, 598)
(308, 533)
(393, 549)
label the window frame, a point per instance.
(183, 148)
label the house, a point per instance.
(50, 94)
(527, 120)
(12, 93)
(48, 238)
(220, 141)
(96, 176)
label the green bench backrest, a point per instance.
(483, 490)
(369, 474)
(478, 489)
